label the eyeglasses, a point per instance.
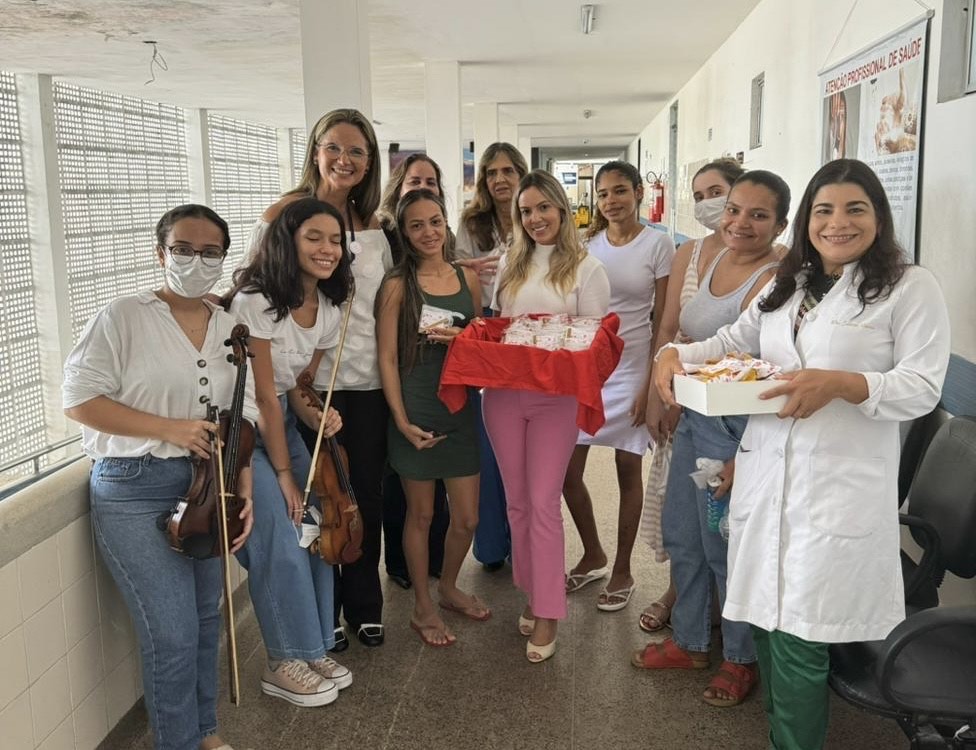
(211, 255)
(355, 153)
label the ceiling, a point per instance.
(243, 58)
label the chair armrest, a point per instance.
(917, 627)
(929, 567)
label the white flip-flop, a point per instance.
(576, 581)
(622, 594)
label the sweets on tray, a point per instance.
(552, 332)
(733, 367)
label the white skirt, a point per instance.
(619, 393)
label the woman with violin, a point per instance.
(140, 381)
(289, 297)
(426, 441)
(342, 169)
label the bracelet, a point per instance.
(282, 471)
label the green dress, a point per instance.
(458, 454)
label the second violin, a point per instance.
(341, 539)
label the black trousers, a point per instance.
(358, 595)
(394, 516)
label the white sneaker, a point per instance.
(330, 669)
(296, 683)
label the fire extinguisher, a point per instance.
(656, 208)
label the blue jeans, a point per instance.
(291, 589)
(492, 539)
(698, 555)
(173, 600)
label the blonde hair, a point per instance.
(569, 252)
(366, 195)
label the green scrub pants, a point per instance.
(793, 674)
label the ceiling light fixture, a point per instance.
(587, 16)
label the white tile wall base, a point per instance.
(69, 661)
(91, 720)
(50, 700)
(16, 726)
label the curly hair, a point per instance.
(882, 264)
(274, 269)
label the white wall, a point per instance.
(69, 660)
(790, 42)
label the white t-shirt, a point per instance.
(135, 353)
(292, 346)
(590, 294)
(633, 268)
(359, 369)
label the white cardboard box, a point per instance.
(720, 399)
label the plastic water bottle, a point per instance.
(723, 525)
(716, 509)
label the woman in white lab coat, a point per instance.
(863, 339)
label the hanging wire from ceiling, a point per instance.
(156, 61)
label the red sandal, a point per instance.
(738, 680)
(668, 655)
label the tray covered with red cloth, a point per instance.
(478, 358)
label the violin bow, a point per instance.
(217, 446)
(328, 397)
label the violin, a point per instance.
(207, 519)
(195, 526)
(341, 528)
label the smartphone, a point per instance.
(437, 433)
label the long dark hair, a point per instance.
(479, 217)
(881, 266)
(406, 271)
(627, 171)
(274, 270)
(391, 197)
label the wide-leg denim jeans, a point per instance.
(291, 589)
(698, 555)
(173, 599)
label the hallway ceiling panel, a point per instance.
(243, 57)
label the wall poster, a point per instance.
(872, 111)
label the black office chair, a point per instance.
(923, 674)
(917, 435)
(921, 581)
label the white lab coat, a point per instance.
(813, 517)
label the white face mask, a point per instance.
(192, 279)
(709, 212)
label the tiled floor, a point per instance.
(482, 693)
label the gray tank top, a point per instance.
(704, 313)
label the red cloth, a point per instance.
(477, 357)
